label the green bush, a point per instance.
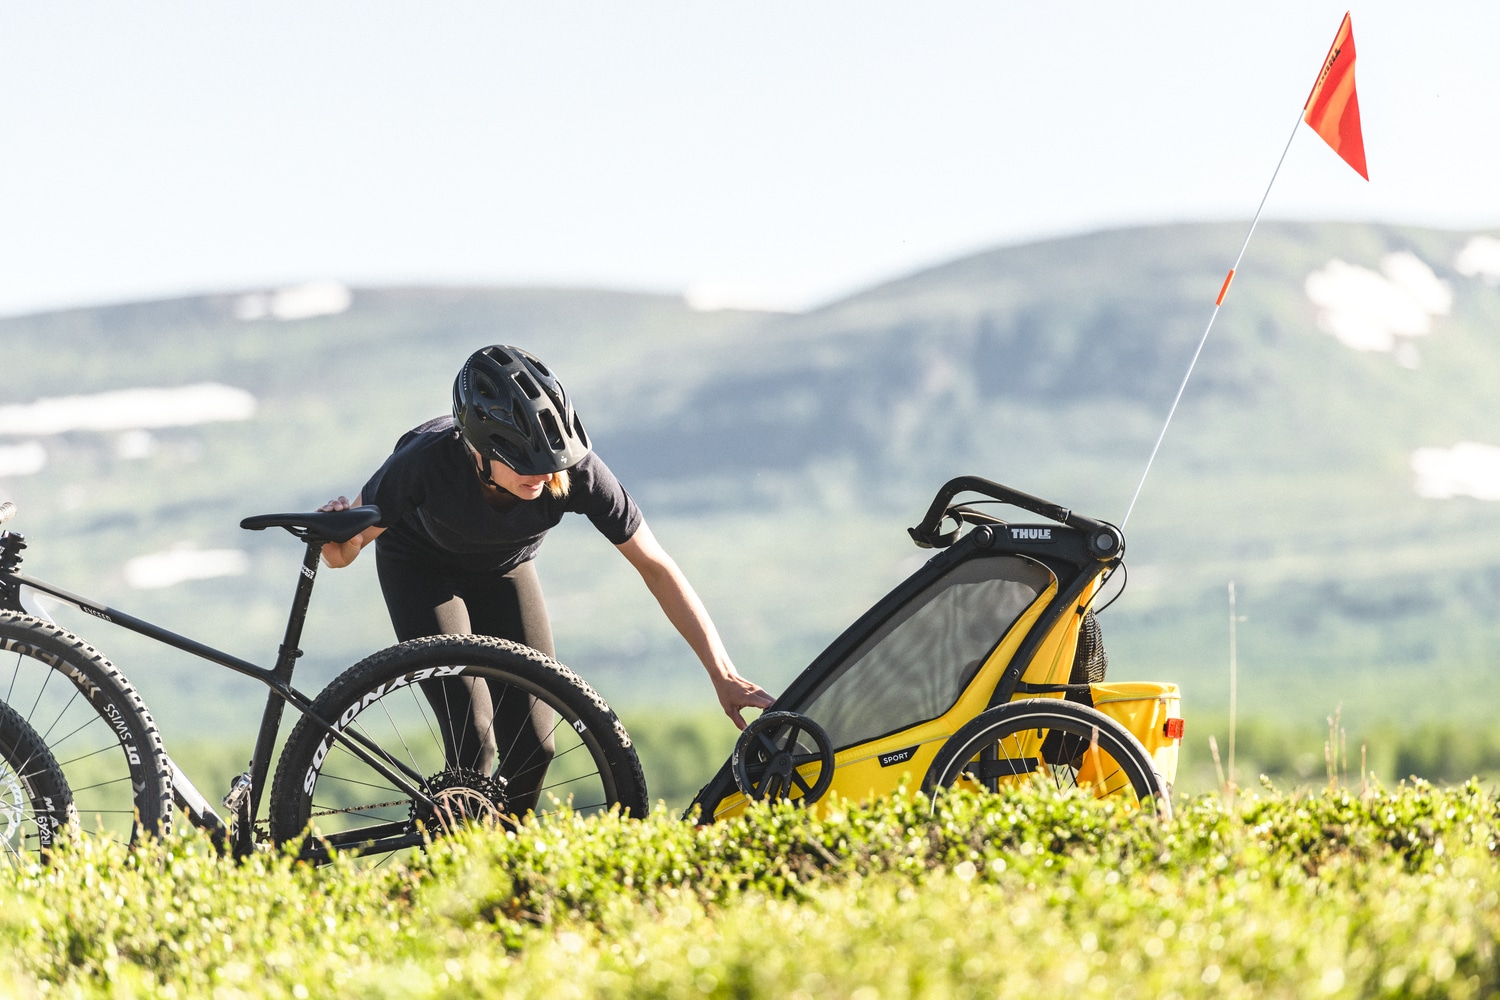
(1394, 893)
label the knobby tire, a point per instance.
(324, 789)
(94, 723)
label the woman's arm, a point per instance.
(688, 615)
(339, 554)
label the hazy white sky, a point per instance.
(780, 153)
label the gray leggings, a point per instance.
(487, 726)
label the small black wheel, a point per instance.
(783, 752)
(94, 723)
(1057, 743)
(449, 730)
(35, 803)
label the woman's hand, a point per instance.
(340, 554)
(736, 693)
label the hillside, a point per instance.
(781, 457)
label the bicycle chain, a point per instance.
(352, 809)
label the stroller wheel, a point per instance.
(1055, 743)
(783, 755)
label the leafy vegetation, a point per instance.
(1337, 894)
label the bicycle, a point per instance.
(365, 769)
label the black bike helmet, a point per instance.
(510, 406)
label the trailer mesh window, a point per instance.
(916, 664)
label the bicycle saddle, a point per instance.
(324, 525)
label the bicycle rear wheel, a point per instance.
(35, 803)
(381, 703)
(93, 722)
(1059, 744)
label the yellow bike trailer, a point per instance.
(985, 667)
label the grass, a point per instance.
(1391, 893)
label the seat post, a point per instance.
(286, 658)
(286, 661)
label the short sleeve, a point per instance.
(398, 486)
(598, 495)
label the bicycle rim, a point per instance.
(92, 721)
(353, 800)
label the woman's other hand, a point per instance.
(339, 554)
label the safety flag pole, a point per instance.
(1332, 109)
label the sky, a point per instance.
(775, 154)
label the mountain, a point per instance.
(1341, 394)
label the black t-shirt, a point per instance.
(433, 507)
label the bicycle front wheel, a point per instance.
(35, 803)
(1057, 744)
(446, 730)
(93, 722)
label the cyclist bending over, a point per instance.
(465, 502)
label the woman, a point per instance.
(465, 502)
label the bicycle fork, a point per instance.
(195, 807)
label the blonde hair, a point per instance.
(558, 485)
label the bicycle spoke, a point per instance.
(54, 744)
(69, 762)
(448, 710)
(346, 780)
(503, 760)
(123, 779)
(410, 756)
(532, 760)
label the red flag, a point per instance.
(1332, 109)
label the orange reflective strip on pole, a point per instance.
(1224, 289)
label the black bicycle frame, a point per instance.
(278, 679)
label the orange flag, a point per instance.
(1332, 109)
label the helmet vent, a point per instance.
(583, 438)
(529, 387)
(499, 355)
(485, 386)
(553, 432)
